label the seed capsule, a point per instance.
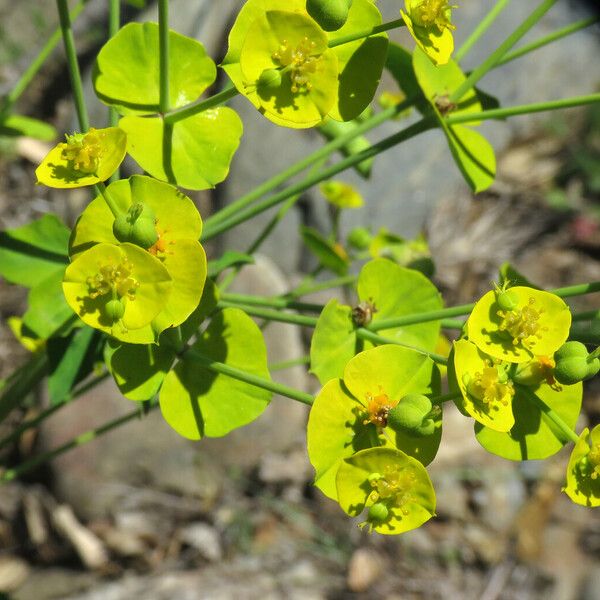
(115, 310)
(378, 513)
(329, 14)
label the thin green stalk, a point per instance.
(239, 374)
(74, 73)
(512, 111)
(288, 364)
(278, 302)
(36, 63)
(318, 155)
(497, 54)
(114, 209)
(587, 315)
(80, 440)
(346, 39)
(272, 315)
(577, 290)
(569, 434)
(411, 131)
(445, 398)
(452, 324)
(16, 434)
(199, 106)
(481, 28)
(323, 285)
(114, 22)
(163, 44)
(548, 39)
(365, 334)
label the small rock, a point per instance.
(293, 467)
(13, 572)
(203, 538)
(364, 569)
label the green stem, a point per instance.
(393, 140)
(250, 300)
(114, 22)
(481, 28)
(239, 374)
(324, 285)
(551, 414)
(491, 61)
(200, 105)
(74, 73)
(512, 111)
(365, 334)
(587, 315)
(577, 290)
(318, 155)
(346, 39)
(272, 315)
(445, 398)
(452, 324)
(544, 41)
(80, 440)
(16, 434)
(36, 64)
(287, 364)
(114, 209)
(163, 43)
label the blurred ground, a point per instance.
(144, 514)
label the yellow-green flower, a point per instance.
(178, 228)
(429, 22)
(392, 487)
(116, 288)
(341, 194)
(83, 159)
(537, 324)
(583, 471)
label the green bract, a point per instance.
(388, 477)
(538, 326)
(473, 154)
(316, 81)
(390, 291)
(583, 472)
(84, 159)
(178, 226)
(127, 74)
(341, 194)
(429, 23)
(198, 150)
(125, 273)
(195, 401)
(351, 414)
(486, 389)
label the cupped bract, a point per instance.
(83, 159)
(123, 273)
(385, 477)
(537, 326)
(583, 471)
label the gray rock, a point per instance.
(203, 538)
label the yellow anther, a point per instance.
(117, 278)
(488, 387)
(594, 460)
(83, 151)
(378, 408)
(300, 60)
(395, 484)
(522, 324)
(433, 13)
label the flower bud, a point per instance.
(507, 300)
(412, 415)
(360, 238)
(378, 513)
(329, 14)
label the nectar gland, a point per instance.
(378, 408)
(300, 61)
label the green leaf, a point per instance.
(31, 253)
(67, 357)
(197, 402)
(583, 483)
(18, 125)
(47, 309)
(395, 291)
(534, 435)
(230, 258)
(399, 64)
(510, 276)
(126, 73)
(193, 153)
(389, 476)
(329, 254)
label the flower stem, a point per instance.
(346, 39)
(114, 209)
(569, 434)
(163, 43)
(250, 300)
(272, 315)
(199, 106)
(445, 398)
(481, 28)
(548, 39)
(74, 73)
(239, 374)
(305, 290)
(36, 64)
(491, 61)
(287, 364)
